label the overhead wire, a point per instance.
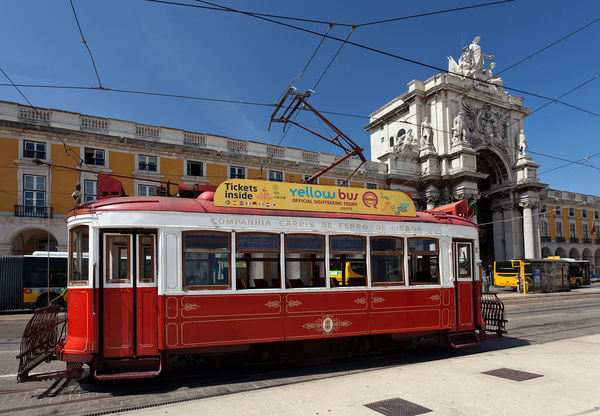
(306, 20)
(68, 150)
(463, 93)
(392, 55)
(86, 45)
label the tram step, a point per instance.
(463, 339)
(128, 369)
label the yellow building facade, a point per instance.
(35, 198)
(569, 226)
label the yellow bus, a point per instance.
(44, 279)
(511, 273)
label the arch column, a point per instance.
(528, 241)
(498, 231)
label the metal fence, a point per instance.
(11, 282)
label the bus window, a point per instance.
(347, 256)
(423, 261)
(387, 263)
(257, 261)
(78, 255)
(304, 260)
(206, 260)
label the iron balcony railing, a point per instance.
(546, 239)
(574, 240)
(33, 211)
(586, 241)
(560, 239)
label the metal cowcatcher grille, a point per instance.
(40, 339)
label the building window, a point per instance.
(544, 225)
(34, 191)
(543, 209)
(382, 139)
(401, 133)
(195, 168)
(423, 261)
(585, 231)
(275, 176)
(315, 181)
(571, 212)
(147, 190)
(94, 157)
(90, 190)
(392, 141)
(206, 260)
(34, 149)
(572, 230)
(584, 213)
(596, 215)
(236, 172)
(342, 183)
(387, 260)
(147, 163)
(371, 186)
(559, 232)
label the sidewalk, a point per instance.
(568, 384)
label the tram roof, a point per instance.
(191, 205)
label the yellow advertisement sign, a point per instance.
(245, 193)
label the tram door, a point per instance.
(129, 295)
(463, 283)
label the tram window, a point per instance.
(423, 261)
(464, 259)
(347, 261)
(117, 259)
(257, 261)
(387, 262)
(78, 255)
(206, 260)
(304, 260)
(146, 259)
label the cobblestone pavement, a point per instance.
(187, 382)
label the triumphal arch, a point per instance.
(460, 135)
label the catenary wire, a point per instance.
(85, 44)
(392, 55)
(515, 64)
(306, 20)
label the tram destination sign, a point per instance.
(245, 193)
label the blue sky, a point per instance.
(141, 45)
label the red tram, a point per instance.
(153, 278)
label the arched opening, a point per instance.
(560, 252)
(28, 241)
(587, 255)
(574, 254)
(546, 252)
(597, 261)
(490, 190)
(401, 133)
